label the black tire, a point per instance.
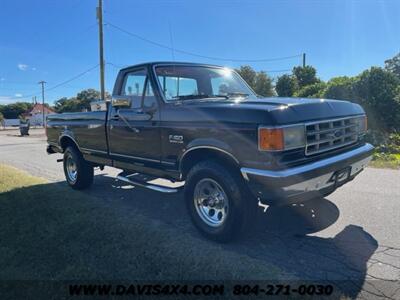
(241, 204)
(84, 171)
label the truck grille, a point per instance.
(330, 134)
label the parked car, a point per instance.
(204, 126)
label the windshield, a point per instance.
(200, 82)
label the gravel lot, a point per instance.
(353, 235)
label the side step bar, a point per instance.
(150, 186)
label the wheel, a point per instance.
(218, 201)
(78, 173)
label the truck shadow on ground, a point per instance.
(126, 232)
(279, 237)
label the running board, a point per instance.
(154, 187)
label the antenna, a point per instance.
(172, 41)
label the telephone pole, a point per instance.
(101, 55)
(304, 60)
(44, 119)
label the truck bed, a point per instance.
(87, 128)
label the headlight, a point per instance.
(362, 125)
(281, 138)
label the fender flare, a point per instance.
(210, 144)
(69, 135)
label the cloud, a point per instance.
(18, 95)
(22, 67)
(33, 69)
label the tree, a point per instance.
(286, 85)
(248, 74)
(260, 82)
(80, 102)
(305, 75)
(263, 85)
(14, 110)
(393, 65)
(340, 88)
(378, 91)
(315, 90)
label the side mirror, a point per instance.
(121, 101)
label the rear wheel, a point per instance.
(217, 201)
(78, 172)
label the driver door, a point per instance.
(134, 133)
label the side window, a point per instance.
(149, 100)
(134, 86)
(173, 87)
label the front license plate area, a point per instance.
(341, 176)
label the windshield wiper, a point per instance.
(193, 97)
(238, 94)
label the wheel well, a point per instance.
(66, 141)
(195, 156)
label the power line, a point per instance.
(118, 67)
(57, 85)
(73, 78)
(195, 54)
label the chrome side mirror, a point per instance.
(121, 101)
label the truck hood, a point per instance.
(277, 110)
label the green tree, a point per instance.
(315, 90)
(393, 65)
(286, 85)
(378, 91)
(305, 75)
(340, 88)
(260, 82)
(80, 102)
(67, 105)
(248, 74)
(14, 110)
(263, 85)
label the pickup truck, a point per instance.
(202, 125)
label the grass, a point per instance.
(390, 161)
(49, 231)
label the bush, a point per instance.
(340, 88)
(315, 90)
(378, 91)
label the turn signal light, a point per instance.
(270, 139)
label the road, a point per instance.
(353, 235)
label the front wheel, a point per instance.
(78, 172)
(217, 201)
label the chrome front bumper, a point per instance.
(307, 181)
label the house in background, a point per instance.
(35, 115)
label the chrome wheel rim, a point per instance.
(72, 170)
(211, 202)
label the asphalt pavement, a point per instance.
(353, 235)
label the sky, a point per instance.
(57, 41)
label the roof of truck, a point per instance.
(169, 63)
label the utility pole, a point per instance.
(100, 20)
(304, 60)
(44, 119)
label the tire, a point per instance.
(78, 173)
(228, 219)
